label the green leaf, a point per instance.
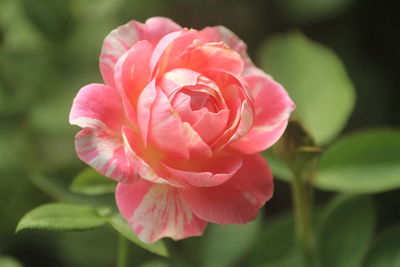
(365, 162)
(6, 261)
(279, 167)
(274, 243)
(345, 232)
(122, 227)
(154, 263)
(386, 250)
(225, 244)
(61, 217)
(90, 182)
(316, 80)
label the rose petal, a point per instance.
(170, 46)
(211, 125)
(168, 133)
(205, 172)
(132, 74)
(223, 34)
(239, 104)
(97, 109)
(125, 36)
(215, 55)
(145, 103)
(236, 201)
(155, 211)
(134, 149)
(272, 110)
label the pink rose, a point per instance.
(179, 123)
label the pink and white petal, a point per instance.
(134, 150)
(195, 144)
(211, 125)
(246, 122)
(205, 172)
(154, 211)
(272, 110)
(145, 103)
(165, 129)
(259, 139)
(97, 106)
(173, 137)
(104, 152)
(132, 70)
(201, 57)
(239, 103)
(125, 36)
(174, 80)
(236, 201)
(170, 46)
(223, 34)
(158, 27)
(115, 45)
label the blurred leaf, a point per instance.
(90, 182)
(345, 232)
(274, 243)
(122, 227)
(61, 217)
(310, 10)
(316, 80)
(51, 17)
(6, 261)
(386, 250)
(288, 261)
(154, 263)
(225, 244)
(97, 247)
(56, 189)
(279, 167)
(366, 162)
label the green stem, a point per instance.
(302, 201)
(122, 259)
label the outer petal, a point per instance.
(97, 109)
(201, 57)
(154, 211)
(272, 109)
(205, 172)
(132, 74)
(125, 36)
(236, 201)
(222, 34)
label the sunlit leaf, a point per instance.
(122, 226)
(316, 80)
(61, 217)
(365, 162)
(346, 230)
(385, 252)
(90, 182)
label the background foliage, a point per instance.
(339, 60)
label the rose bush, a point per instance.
(179, 123)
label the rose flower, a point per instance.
(179, 123)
